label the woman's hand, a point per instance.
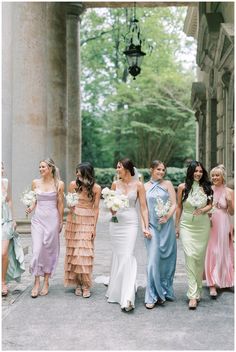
(147, 234)
(163, 219)
(113, 212)
(93, 234)
(177, 231)
(14, 225)
(198, 211)
(28, 210)
(60, 226)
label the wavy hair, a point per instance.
(204, 182)
(221, 169)
(55, 170)
(88, 178)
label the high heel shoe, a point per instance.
(4, 291)
(34, 292)
(213, 293)
(129, 307)
(150, 305)
(192, 304)
(78, 291)
(44, 291)
(86, 293)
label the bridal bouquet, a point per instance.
(114, 201)
(197, 199)
(28, 198)
(72, 199)
(161, 208)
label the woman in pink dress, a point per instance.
(46, 224)
(219, 262)
(80, 231)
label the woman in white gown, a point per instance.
(121, 287)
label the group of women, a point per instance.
(202, 221)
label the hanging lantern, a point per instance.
(133, 51)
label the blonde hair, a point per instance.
(55, 170)
(221, 170)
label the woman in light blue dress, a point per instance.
(161, 248)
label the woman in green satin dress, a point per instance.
(194, 200)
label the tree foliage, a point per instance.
(147, 118)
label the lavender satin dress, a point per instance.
(45, 225)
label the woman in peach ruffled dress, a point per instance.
(219, 261)
(80, 231)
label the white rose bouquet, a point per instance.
(72, 199)
(114, 201)
(28, 198)
(161, 209)
(197, 199)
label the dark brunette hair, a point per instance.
(204, 182)
(128, 165)
(88, 178)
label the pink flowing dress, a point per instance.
(219, 262)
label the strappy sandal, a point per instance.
(86, 293)
(4, 291)
(34, 292)
(192, 304)
(78, 291)
(150, 305)
(44, 292)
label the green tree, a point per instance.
(147, 118)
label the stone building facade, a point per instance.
(212, 25)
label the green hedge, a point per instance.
(105, 177)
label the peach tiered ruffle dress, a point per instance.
(79, 257)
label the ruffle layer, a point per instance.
(79, 247)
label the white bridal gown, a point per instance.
(122, 284)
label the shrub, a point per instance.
(105, 177)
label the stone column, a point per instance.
(73, 111)
(28, 95)
(56, 84)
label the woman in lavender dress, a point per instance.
(46, 224)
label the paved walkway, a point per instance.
(62, 321)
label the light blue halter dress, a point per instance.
(161, 250)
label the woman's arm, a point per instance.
(144, 210)
(9, 201)
(60, 203)
(179, 208)
(97, 197)
(230, 200)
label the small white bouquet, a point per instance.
(28, 198)
(161, 208)
(197, 199)
(72, 199)
(114, 201)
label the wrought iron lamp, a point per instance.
(133, 50)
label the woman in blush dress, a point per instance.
(46, 224)
(161, 248)
(80, 230)
(219, 262)
(194, 200)
(121, 287)
(12, 251)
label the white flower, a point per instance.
(162, 208)
(114, 201)
(72, 199)
(28, 198)
(197, 198)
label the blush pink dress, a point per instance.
(219, 262)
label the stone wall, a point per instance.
(213, 94)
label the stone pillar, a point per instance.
(7, 88)
(28, 95)
(73, 137)
(56, 84)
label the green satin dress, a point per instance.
(194, 233)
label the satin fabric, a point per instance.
(161, 250)
(194, 233)
(122, 286)
(219, 262)
(45, 234)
